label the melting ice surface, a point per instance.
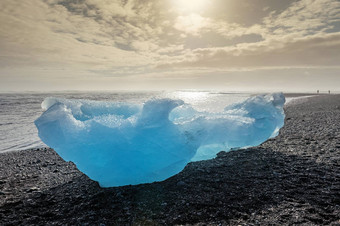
(122, 143)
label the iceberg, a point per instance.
(120, 144)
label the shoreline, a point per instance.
(293, 178)
(290, 97)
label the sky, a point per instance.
(229, 45)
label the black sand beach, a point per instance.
(291, 179)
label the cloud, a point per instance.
(304, 17)
(51, 34)
(317, 50)
(134, 37)
(191, 23)
(295, 37)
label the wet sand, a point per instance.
(291, 179)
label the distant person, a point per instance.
(329, 92)
(317, 91)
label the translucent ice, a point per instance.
(120, 143)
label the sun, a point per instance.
(191, 6)
(190, 15)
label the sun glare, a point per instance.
(190, 17)
(190, 23)
(191, 5)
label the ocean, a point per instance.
(19, 110)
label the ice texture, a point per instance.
(123, 143)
